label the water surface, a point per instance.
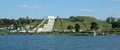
(47, 42)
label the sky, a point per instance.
(100, 9)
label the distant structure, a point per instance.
(49, 26)
(52, 17)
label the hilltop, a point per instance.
(83, 21)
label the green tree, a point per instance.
(1, 22)
(111, 20)
(77, 27)
(12, 21)
(6, 21)
(77, 20)
(28, 20)
(116, 25)
(70, 27)
(61, 23)
(94, 26)
(118, 20)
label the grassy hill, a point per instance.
(84, 21)
(35, 24)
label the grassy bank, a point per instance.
(63, 23)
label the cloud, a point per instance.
(32, 7)
(86, 11)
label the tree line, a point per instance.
(17, 22)
(115, 22)
(94, 26)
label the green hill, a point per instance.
(35, 24)
(84, 21)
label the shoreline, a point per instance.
(60, 34)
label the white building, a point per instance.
(52, 17)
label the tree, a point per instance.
(77, 27)
(1, 22)
(116, 25)
(12, 21)
(111, 20)
(70, 27)
(94, 26)
(118, 20)
(28, 20)
(76, 20)
(61, 23)
(6, 21)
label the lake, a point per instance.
(52, 42)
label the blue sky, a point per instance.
(100, 9)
